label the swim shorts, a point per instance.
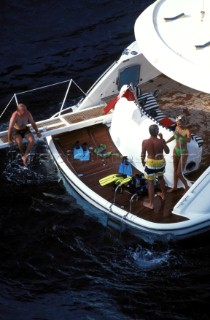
(21, 132)
(154, 168)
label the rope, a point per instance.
(64, 100)
(6, 106)
(79, 88)
(44, 87)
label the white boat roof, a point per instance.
(167, 33)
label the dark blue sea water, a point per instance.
(58, 260)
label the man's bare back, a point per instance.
(154, 148)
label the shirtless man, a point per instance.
(18, 130)
(155, 163)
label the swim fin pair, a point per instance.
(118, 179)
(81, 152)
(125, 167)
(115, 177)
(124, 181)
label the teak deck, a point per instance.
(90, 172)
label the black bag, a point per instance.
(139, 185)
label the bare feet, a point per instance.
(148, 205)
(171, 190)
(161, 195)
(24, 159)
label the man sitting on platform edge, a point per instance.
(18, 130)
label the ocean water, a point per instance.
(58, 260)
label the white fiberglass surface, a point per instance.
(179, 46)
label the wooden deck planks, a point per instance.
(91, 171)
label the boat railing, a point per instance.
(69, 82)
(135, 195)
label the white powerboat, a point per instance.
(164, 72)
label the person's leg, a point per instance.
(180, 169)
(19, 140)
(150, 204)
(162, 194)
(30, 139)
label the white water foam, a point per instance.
(149, 259)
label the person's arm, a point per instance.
(10, 128)
(165, 147)
(33, 123)
(170, 139)
(143, 153)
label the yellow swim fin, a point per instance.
(125, 180)
(111, 178)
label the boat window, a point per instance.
(129, 75)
